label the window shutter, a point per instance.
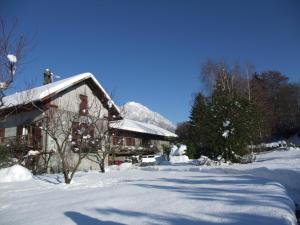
(83, 106)
(36, 132)
(19, 130)
(75, 128)
(2, 134)
(92, 130)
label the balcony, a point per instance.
(22, 142)
(135, 150)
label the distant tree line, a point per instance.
(239, 108)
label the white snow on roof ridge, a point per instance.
(106, 94)
(40, 92)
(136, 126)
(62, 84)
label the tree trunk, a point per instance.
(66, 176)
(102, 167)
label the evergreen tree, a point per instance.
(224, 123)
(199, 127)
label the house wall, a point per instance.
(90, 164)
(86, 164)
(69, 101)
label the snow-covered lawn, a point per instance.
(171, 194)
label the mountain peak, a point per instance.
(137, 111)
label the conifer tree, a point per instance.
(224, 123)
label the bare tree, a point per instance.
(249, 71)
(106, 139)
(229, 77)
(12, 51)
(76, 135)
(104, 143)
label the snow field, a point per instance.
(170, 194)
(147, 197)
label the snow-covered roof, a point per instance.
(131, 125)
(42, 92)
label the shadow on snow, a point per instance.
(227, 189)
(81, 219)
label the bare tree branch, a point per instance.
(12, 52)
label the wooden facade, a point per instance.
(130, 143)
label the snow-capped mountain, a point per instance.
(139, 112)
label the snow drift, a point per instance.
(122, 166)
(15, 173)
(179, 159)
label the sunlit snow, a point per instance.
(259, 193)
(12, 58)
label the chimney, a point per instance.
(48, 77)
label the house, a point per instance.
(137, 138)
(22, 111)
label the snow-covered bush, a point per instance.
(249, 158)
(270, 146)
(202, 160)
(177, 154)
(178, 151)
(206, 161)
(4, 157)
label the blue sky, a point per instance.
(151, 51)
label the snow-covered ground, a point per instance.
(279, 165)
(167, 194)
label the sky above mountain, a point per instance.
(151, 51)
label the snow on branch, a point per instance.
(12, 52)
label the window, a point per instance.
(130, 141)
(10, 131)
(82, 127)
(36, 135)
(83, 106)
(117, 140)
(24, 131)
